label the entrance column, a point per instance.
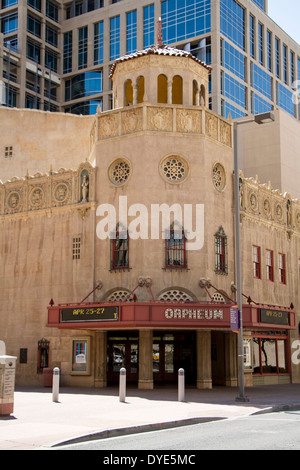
(101, 359)
(204, 376)
(231, 360)
(146, 359)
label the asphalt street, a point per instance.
(271, 431)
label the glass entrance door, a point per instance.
(170, 353)
(122, 351)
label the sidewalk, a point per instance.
(39, 423)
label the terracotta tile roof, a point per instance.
(158, 50)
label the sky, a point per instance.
(287, 15)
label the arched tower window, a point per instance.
(195, 93)
(177, 90)
(128, 93)
(162, 89)
(141, 89)
(202, 96)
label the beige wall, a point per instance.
(272, 151)
(144, 152)
(39, 141)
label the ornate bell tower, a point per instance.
(160, 75)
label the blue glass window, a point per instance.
(269, 51)
(50, 60)
(8, 3)
(9, 23)
(232, 59)
(232, 22)
(84, 84)
(259, 105)
(182, 19)
(252, 36)
(34, 25)
(285, 99)
(114, 38)
(261, 81)
(51, 35)
(149, 26)
(261, 44)
(284, 63)
(227, 108)
(233, 89)
(67, 54)
(98, 43)
(277, 57)
(82, 47)
(131, 32)
(36, 4)
(33, 51)
(260, 3)
(52, 10)
(292, 66)
(84, 107)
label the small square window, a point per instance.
(8, 152)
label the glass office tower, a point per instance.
(57, 55)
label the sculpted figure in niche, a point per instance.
(85, 188)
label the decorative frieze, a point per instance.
(161, 118)
(45, 191)
(267, 205)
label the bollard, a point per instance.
(122, 385)
(181, 393)
(55, 384)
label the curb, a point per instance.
(165, 425)
(278, 409)
(135, 429)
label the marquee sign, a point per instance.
(95, 314)
(276, 317)
(167, 314)
(193, 314)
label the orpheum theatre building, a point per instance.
(128, 259)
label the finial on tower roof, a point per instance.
(159, 32)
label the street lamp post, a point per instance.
(259, 119)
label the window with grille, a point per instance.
(120, 250)
(176, 249)
(221, 252)
(76, 248)
(256, 262)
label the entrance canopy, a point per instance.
(188, 315)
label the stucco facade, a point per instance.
(163, 304)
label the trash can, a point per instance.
(47, 376)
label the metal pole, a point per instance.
(122, 385)
(241, 397)
(55, 384)
(181, 390)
